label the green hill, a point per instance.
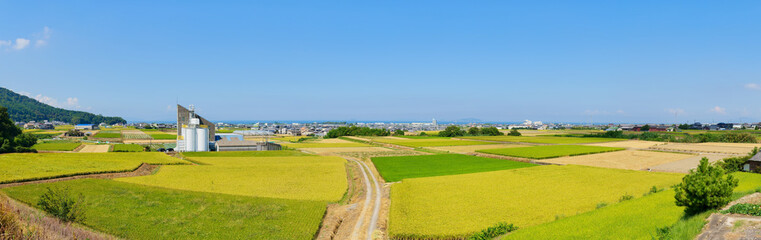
(23, 109)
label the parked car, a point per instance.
(161, 150)
(170, 149)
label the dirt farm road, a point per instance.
(370, 189)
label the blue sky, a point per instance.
(553, 61)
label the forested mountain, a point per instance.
(23, 109)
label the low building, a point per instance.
(85, 126)
(753, 164)
(242, 145)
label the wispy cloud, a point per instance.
(719, 110)
(70, 103)
(40, 39)
(753, 86)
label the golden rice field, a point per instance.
(732, 148)
(428, 142)
(474, 148)
(348, 149)
(324, 143)
(457, 205)
(628, 144)
(32, 166)
(302, 178)
(629, 159)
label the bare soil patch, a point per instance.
(635, 144)
(727, 148)
(89, 148)
(684, 165)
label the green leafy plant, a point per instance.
(59, 203)
(744, 208)
(706, 187)
(493, 231)
(514, 132)
(626, 197)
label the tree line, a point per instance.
(23, 109)
(356, 131)
(11, 137)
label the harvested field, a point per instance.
(629, 159)
(303, 178)
(427, 141)
(348, 149)
(635, 144)
(549, 151)
(457, 205)
(90, 148)
(730, 148)
(474, 148)
(134, 134)
(684, 165)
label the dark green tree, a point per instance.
(491, 131)
(645, 128)
(474, 131)
(452, 131)
(399, 132)
(514, 132)
(706, 187)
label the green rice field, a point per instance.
(108, 134)
(132, 211)
(447, 206)
(549, 151)
(56, 146)
(127, 148)
(396, 168)
(16, 167)
(416, 142)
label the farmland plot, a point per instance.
(108, 134)
(394, 169)
(459, 205)
(474, 148)
(729, 148)
(303, 178)
(282, 153)
(634, 144)
(134, 134)
(132, 211)
(56, 146)
(325, 143)
(544, 139)
(635, 219)
(127, 148)
(630, 159)
(348, 149)
(427, 141)
(16, 167)
(551, 151)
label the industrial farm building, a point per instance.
(196, 134)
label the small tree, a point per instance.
(706, 187)
(514, 132)
(645, 128)
(452, 131)
(474, 131)
(399, 132)
(491, 131)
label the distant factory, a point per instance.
(196, 134)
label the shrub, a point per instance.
(399, 132)
(514, 132)
(493, 231)
(706, 187)
(744, 208)
(452, 131)
(735, 164)
(626, 197)
(59, 203)
(601, 205)
(491, 131)
(474, 131)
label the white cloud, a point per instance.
(71, 103)
(44, 36)
(21, 43)
(40, 39)
(719, 110)
(753, 86)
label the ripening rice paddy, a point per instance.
(394, 169)
(549, 151)
(544, 139)
(458, 205)
(324, 143)
(474, 148)
(283, 153)
(131, 211)
(636, 219)
(16, 167)
(302, 178)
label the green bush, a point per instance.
(744, 208)
(491, 131)
(706, 187)
(626, 197)
(452, 131)
(493, 231)
(59, 203)
(734, 164)
(514, 132)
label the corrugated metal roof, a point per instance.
(756, 158)
(237, 143)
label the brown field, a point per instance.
(636, 144)
(684, 165)
(628, 159)
(347, 149)
(729, 148)
(95, 148)
(473, 148)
